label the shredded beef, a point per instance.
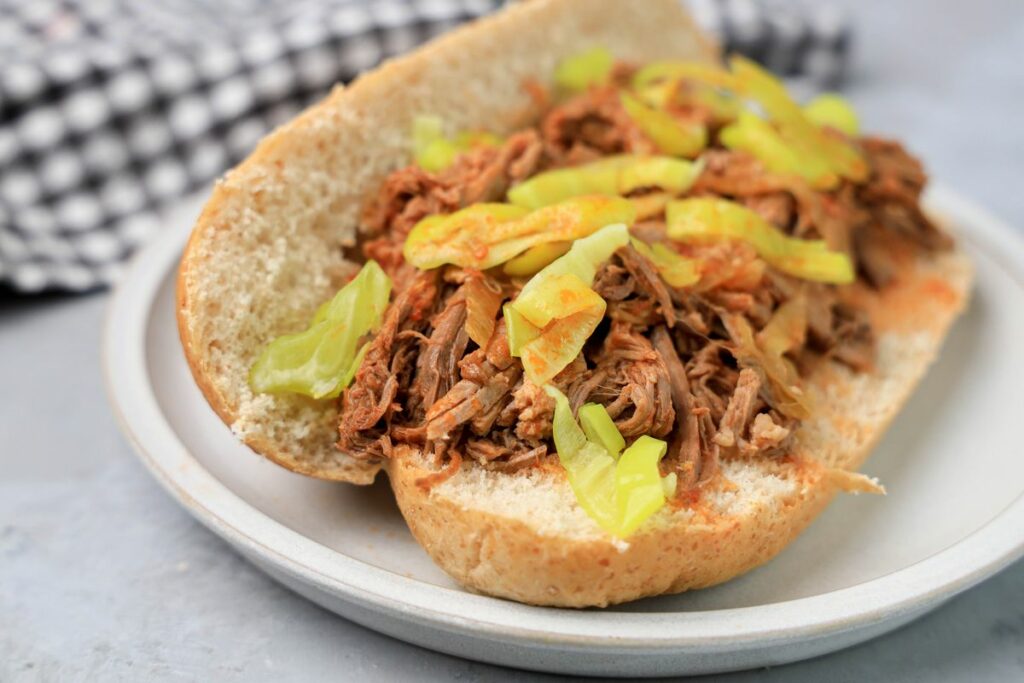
(466, 400)
(485, 174)
(834, 328)
(712, 378)
(590, 126)
(876, 260)
(614, 282)
(504, 452)
(437, 364)
(686, 457)
(532, 411)
(662, 362)
(786, 201)
(893, 192)
(648, 281)
(631, 381)
(479, 175)
(778, 208)
(855, 343)
(410, 194)
(740, 410)
(370, 399)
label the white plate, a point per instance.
(954, 515)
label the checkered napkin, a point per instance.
(110, 110)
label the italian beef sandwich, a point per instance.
(615, 315)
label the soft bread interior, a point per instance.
(267, 248)
(524, 537)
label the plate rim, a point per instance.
(986, 550)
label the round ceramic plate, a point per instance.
(954, 514)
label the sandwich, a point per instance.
(616, 316)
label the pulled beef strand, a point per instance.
(740, 409)
(649, 281)
(685, 455)
(437, 363)
(466, 400)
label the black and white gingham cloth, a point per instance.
(112, 109)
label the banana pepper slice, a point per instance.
(703, 219)
(557, 311)
(614, 176)
(619, 492)
(485, 235)
(322, 360)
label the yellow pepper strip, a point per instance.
(468, 139)
(518, 329)
(658, 95)
(704, 219)
(321, 360)
(559, 296)
(614, 176)
(434, 152)
(754, 135)
(560, 342)
(664, 173)
(618, 492)
(598, 426)
(829, 109)
(758, 84)
(535, 258)
(638, 484)
(580, 71)
(668, 485)
(485, 235)
(675, 269)
(668, 71)
(651, 205)
(662, 94)
(437, 155)
(798, 128)
(582, 261)
(723, 106)
(783, 380)
(425, 130)
(671, 135)
(570, 220)
(434, 241)
(560, 308)
(588, 467)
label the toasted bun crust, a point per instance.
(267, 248)
(523, 537)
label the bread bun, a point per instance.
(267, 250)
